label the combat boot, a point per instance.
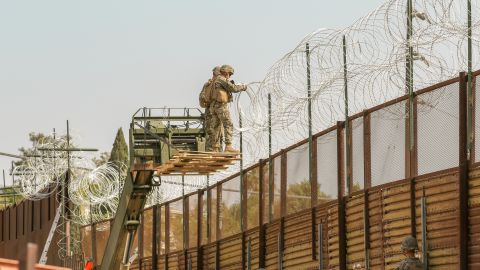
(230, 149)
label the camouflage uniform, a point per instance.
(222, 92)
(208, 122)
(410, 263)
(208, 115)
(409, 246)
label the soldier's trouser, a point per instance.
(221, 118)
(210, 130)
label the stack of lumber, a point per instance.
(197, 163)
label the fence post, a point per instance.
(209, 214)
(423, 205)
(154, 236)
(283, 183)
(342, 243)
(348, 130)
(261, 192)
(261, 214)
(320, 245)
(94, 242)
(310, 136)
(167, 233)
(262, 247)
(140, 239)
(367, 183)
(217, 255)
(199, 229)
(366, 228)
(367, 151)
(463, 175)
(217, 220)
(313, 234)
(270, 161)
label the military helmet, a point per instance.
(227, 69)
(409, 243)
(216, 70)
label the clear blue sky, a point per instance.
(95, 62)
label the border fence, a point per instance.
(347, 205)
(296, 210)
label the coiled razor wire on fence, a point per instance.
(93, 192)
(376, 58)
(376, 48)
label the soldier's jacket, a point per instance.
(410, 264)
(223, 89)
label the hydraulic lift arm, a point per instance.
(137, 185)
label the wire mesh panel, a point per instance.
(357, 154)
(176, 225)
(162, 243)
(253, 190)
(327, 171)
(213, 213)
(298, 180)
(438, 129)
(192, 220)
(266, 195)
(277, 176)
(204, 219)
(388, 144)
(147, 232)
(230, 220)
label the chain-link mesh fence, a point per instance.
(192, 220)
(438, 129)
(357, 154)
(388, 143)
(147, 230)
(230, 217)
(298, 179)
(176, 225)
(252, 181)
(327, 171)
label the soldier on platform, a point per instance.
(409, 247)
(223, 89)
(205, 101)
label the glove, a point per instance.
(232, 82)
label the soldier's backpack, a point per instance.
(205, 96)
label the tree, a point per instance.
(119, 153)
(36, 139)
(102, 159)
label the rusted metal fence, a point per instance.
(292, 220)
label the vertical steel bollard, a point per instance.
(280, 252)
(249, 254)
(424, 232)
(190, 262)
(365, 239)
(320, 246)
